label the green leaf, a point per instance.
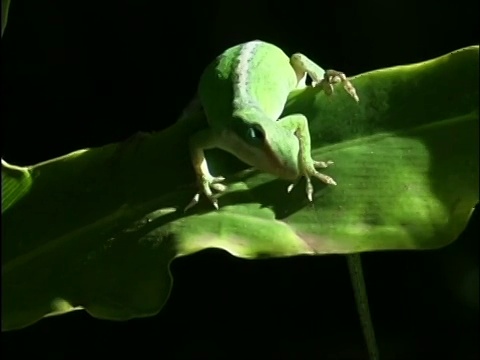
(5, 9)
(16, 182)
(98, 228)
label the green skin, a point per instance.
(243, 94)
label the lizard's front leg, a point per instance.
(202, 140)
(198, 142)
(302, 65)
(298, 125)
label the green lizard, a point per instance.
(243, 94)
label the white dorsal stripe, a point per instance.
(242, 72)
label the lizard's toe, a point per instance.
(207, 184)
(326, 179)
(322, 164)
(216, 179)
(218, 187)
(193, 202)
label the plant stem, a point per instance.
(5, 8)
(361, 299)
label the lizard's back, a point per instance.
(254, 76)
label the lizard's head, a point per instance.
(264, 145)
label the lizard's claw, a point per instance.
(332, 77)
(311, 171)
(206, 186)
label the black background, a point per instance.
(82, 74)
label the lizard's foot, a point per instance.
(310, 171)
(207, 183)
(332, 77)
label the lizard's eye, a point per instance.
(254, 135)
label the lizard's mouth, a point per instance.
(281, 163)
(281, 169)
(277, 163)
